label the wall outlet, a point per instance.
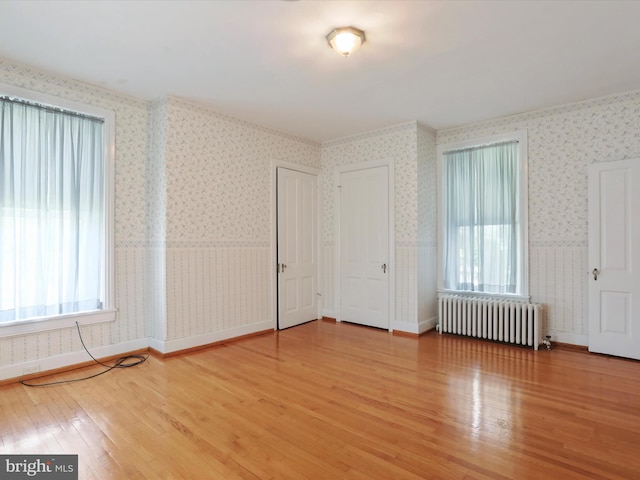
(31, 369)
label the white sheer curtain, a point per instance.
(51, 211)
(482, 243)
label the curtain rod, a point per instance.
(478, 147)
(49, 108)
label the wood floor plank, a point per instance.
(333, 400)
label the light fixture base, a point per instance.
(346, 40)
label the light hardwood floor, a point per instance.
(331, 401)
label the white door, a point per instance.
(614, 258)
(364, 247)
(297, 252)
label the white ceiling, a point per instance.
(443, 63)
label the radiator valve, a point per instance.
(547, 342)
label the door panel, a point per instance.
(297, 251)
(364, 246)
(614, 258)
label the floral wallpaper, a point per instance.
(131, 136)
(218, 174)
(193, 220)
(192, 190)
(427, 184)
(155, 265)
(395, 143)
(218, 218)
(427, 227)
(400, 145)
(562, 142)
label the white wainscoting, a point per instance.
(75, 357)
(558, 279)
(214, 291)
(407, 295)
(131, 292)
(60, 348)
(217, 287)
(427, 286)
(328, 280)
(219, 291)
(406, 315)
(208, 338)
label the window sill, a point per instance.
(44, 324)
(507, 297)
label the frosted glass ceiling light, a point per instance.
(345, 40)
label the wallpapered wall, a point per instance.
(427, 227)
(156, 227)
(563, 141)
(128, 332)
(401, 146)
(218, 221)
(193, 225)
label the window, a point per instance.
(55, 212)
(483, 205)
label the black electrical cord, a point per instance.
(122, 362)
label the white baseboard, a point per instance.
(328, 314)
(31, 367)
(428, 324)
(74, 358)
(568, 337)
(417, 328)
(186, 343)
(43, 365)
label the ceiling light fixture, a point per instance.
(345, 40)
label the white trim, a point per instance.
(275, 164)
(392, 229)
(295, 167)
(495, 296)
(108, 314)
(521, 137)
(329, 314)
(352, 167)
(109, 209)
(568, 337)
(74, 358)
(392, 245)
(416, 328)
(53, 101)
(207, 338)
(78, 357)
(45, 324)
(45, 364)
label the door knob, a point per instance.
(384, 268)
(595, 273)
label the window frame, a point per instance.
(109, 311)
(521, 137)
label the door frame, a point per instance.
(392, 238)
(273, 257)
